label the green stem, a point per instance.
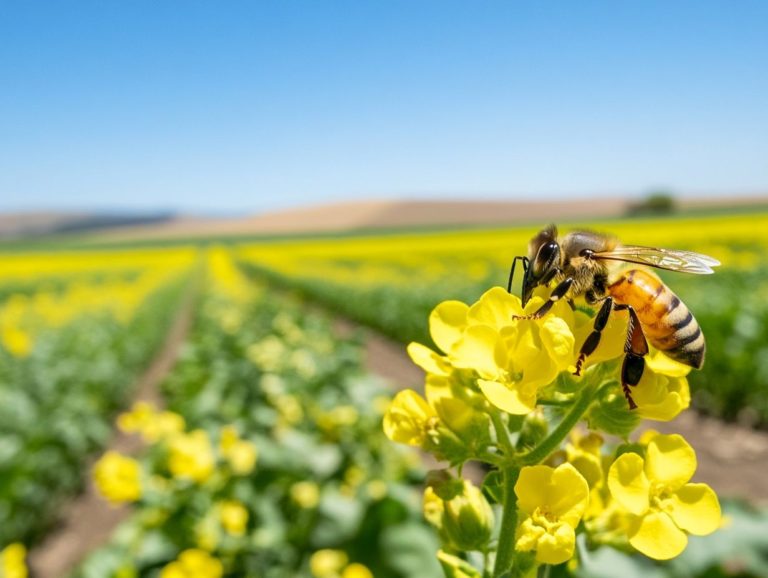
(502, 434)
(505, 549)
(555, 438)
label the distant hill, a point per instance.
(383, 214)
(16, 225)
(344, 217)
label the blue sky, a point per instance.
(248, 106)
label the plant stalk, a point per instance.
(550, 443)
(505, 550)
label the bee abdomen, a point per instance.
(667, 322)
(685, 342)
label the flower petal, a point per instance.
(507, 398)
(479, 349)
(628, 484)
(558, 339)
(658, 362)
(696, 509)
(556, 547)
(531, 487)
(427, 359)
(670, 460)
(660, 397)
(568, 494)
(656, 536)
(496, 308)
(447, 322)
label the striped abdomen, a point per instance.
(666, 321)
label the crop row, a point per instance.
(273, 463)
(68, 354)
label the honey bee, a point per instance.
(583, 264)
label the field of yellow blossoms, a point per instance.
(275, 454)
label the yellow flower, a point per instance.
(409, 419)
(661, 396)
(193, 563)
(552, 501)
(149, 423)
(17, 341)
(118, 478)
(241, 454)
(327, 563)
(191, 456)
(233, 516)
(512, 357)
(12, 561)
(356, 570)
(662, 505)
(135, 420)
(306, 494)
(165, 425)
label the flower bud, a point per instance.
(468, 519)
(409, 419)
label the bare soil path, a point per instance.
(88, 521)
(732, 459)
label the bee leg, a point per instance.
(512, 270)
(557, 294)
(635, 349)
(593, 340)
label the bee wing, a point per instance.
(671, 259)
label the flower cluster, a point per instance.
(178, 462)
(501, 389)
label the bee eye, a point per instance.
(546, 258)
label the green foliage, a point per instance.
(279, 375)
(56, 407)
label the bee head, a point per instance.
(544, 258)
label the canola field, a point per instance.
(75, 330)
(268, 457)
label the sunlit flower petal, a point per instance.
(556, 547)
(479, 348)
(657, 536)
(696, 509)
(496, 308)
(628, 483)
(447, 322)
(427, 359)
(671, 460)
(513, 400)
